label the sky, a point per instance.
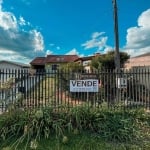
(35, 28)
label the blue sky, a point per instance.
(31, 28)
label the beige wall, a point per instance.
(138, 61)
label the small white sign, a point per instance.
(121, 82)
(88, 85)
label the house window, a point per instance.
(55, 67)
(86, 63)
(58, 59)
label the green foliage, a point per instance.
(106, 61)
(72, 67)
(67, 72)
(33, 126)
(116, 126)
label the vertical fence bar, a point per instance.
(106, 87)
(3, 105)
(128, 88)
(22, 90)
(141, 93)
(46, 88)
(49, 87)
(102, 89)
(39, 84)
(55, 90)
(58, 88)
(114, 87)
(63, 90)
(125, 94)
(15, 84)
(140, 89)
(132, 89)
(148, 85)
(137, 86)
(41, 100)
(26, 74)
(145, 93)
(10, 84)
(145, 87)
(44, 92)
(69, 95)
(28, 104)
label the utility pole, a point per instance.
(117, 55)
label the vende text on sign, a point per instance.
(88, 85)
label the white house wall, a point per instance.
(5, 65)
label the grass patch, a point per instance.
(83, 141)
(80, 127)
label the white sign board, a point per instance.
(121, 83)
(88, 85)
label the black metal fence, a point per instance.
(106, 88)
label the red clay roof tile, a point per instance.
(38, 61)
(54, 59)
(60, 58)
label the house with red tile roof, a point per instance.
(38, 63)
(52, 62)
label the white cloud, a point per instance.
(58, 48)
(20, 43)
(22, 21)
(138, 37)
(8, 21)
(73, 52)
(51, 44)
(97, 34)
(13, 56)
(98, 41)
(37, 40)
(143, 20)
(48, 52)
(107, 49)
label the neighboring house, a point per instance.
(38, 63)
(10, 74)
(141, 60)
(52, 62)
(12, 65)
(85, 61)
(140, 64)
(8, 68)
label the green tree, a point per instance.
(107, 60)
(72, 67)
(68, 71)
